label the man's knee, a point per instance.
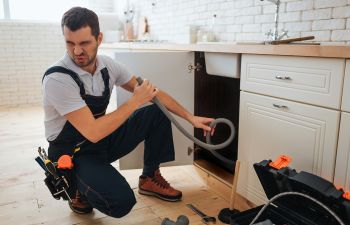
(122, 207)
(115, 202)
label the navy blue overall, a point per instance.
(96, 179)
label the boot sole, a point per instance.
(150, 193)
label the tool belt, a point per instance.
(58, 175)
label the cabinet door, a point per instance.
(346, 91)
(169, 72)
(342, 168)
(269, 127)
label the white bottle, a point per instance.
(211, 32)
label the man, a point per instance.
(76, 92)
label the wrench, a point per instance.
(205, 219)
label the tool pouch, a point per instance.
(60, 184)
(57, 186)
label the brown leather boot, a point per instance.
(79, 205)
(157, 186)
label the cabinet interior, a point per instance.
(216, 97)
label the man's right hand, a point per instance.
(145, 92)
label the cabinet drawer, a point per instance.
(346, 91)
(316, 81)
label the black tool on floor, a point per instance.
(295, 198)
(205, 219)
(181, 220)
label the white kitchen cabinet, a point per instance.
(168, 70)
(315, 81)
(342, 169)
(289, 105)
(346, 89)
(269, 127)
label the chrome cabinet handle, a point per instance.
(283, 78)
(280, 106)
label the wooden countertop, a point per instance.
(328, 51)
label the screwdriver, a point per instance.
(51, 168)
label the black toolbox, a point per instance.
(293, 209)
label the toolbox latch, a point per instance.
(346, 195)
(281, 162)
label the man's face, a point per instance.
(82, 46)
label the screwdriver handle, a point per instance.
(51, 168)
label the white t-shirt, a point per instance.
(61, 94)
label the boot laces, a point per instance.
(160, 180)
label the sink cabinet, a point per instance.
(293, 105)
(183, 75)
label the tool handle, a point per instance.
(197, 211)
(286, 41)
(41, 163)
(234, 186)
(51, 168)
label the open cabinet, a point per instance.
(216, 97)
(183, 75)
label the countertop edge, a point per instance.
(327, 51)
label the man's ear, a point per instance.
(100, 38)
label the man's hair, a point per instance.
(78, 17)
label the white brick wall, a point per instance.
(329, 3)
(317, 14)
(27, 49)
(237, 20)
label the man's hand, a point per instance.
(145, 92)
(203, 123)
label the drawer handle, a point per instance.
(280, 106)
(282, 78)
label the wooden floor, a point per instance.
(24, 199)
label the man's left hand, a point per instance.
(203, 123)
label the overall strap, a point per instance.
(105, 77)
(74, 75)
